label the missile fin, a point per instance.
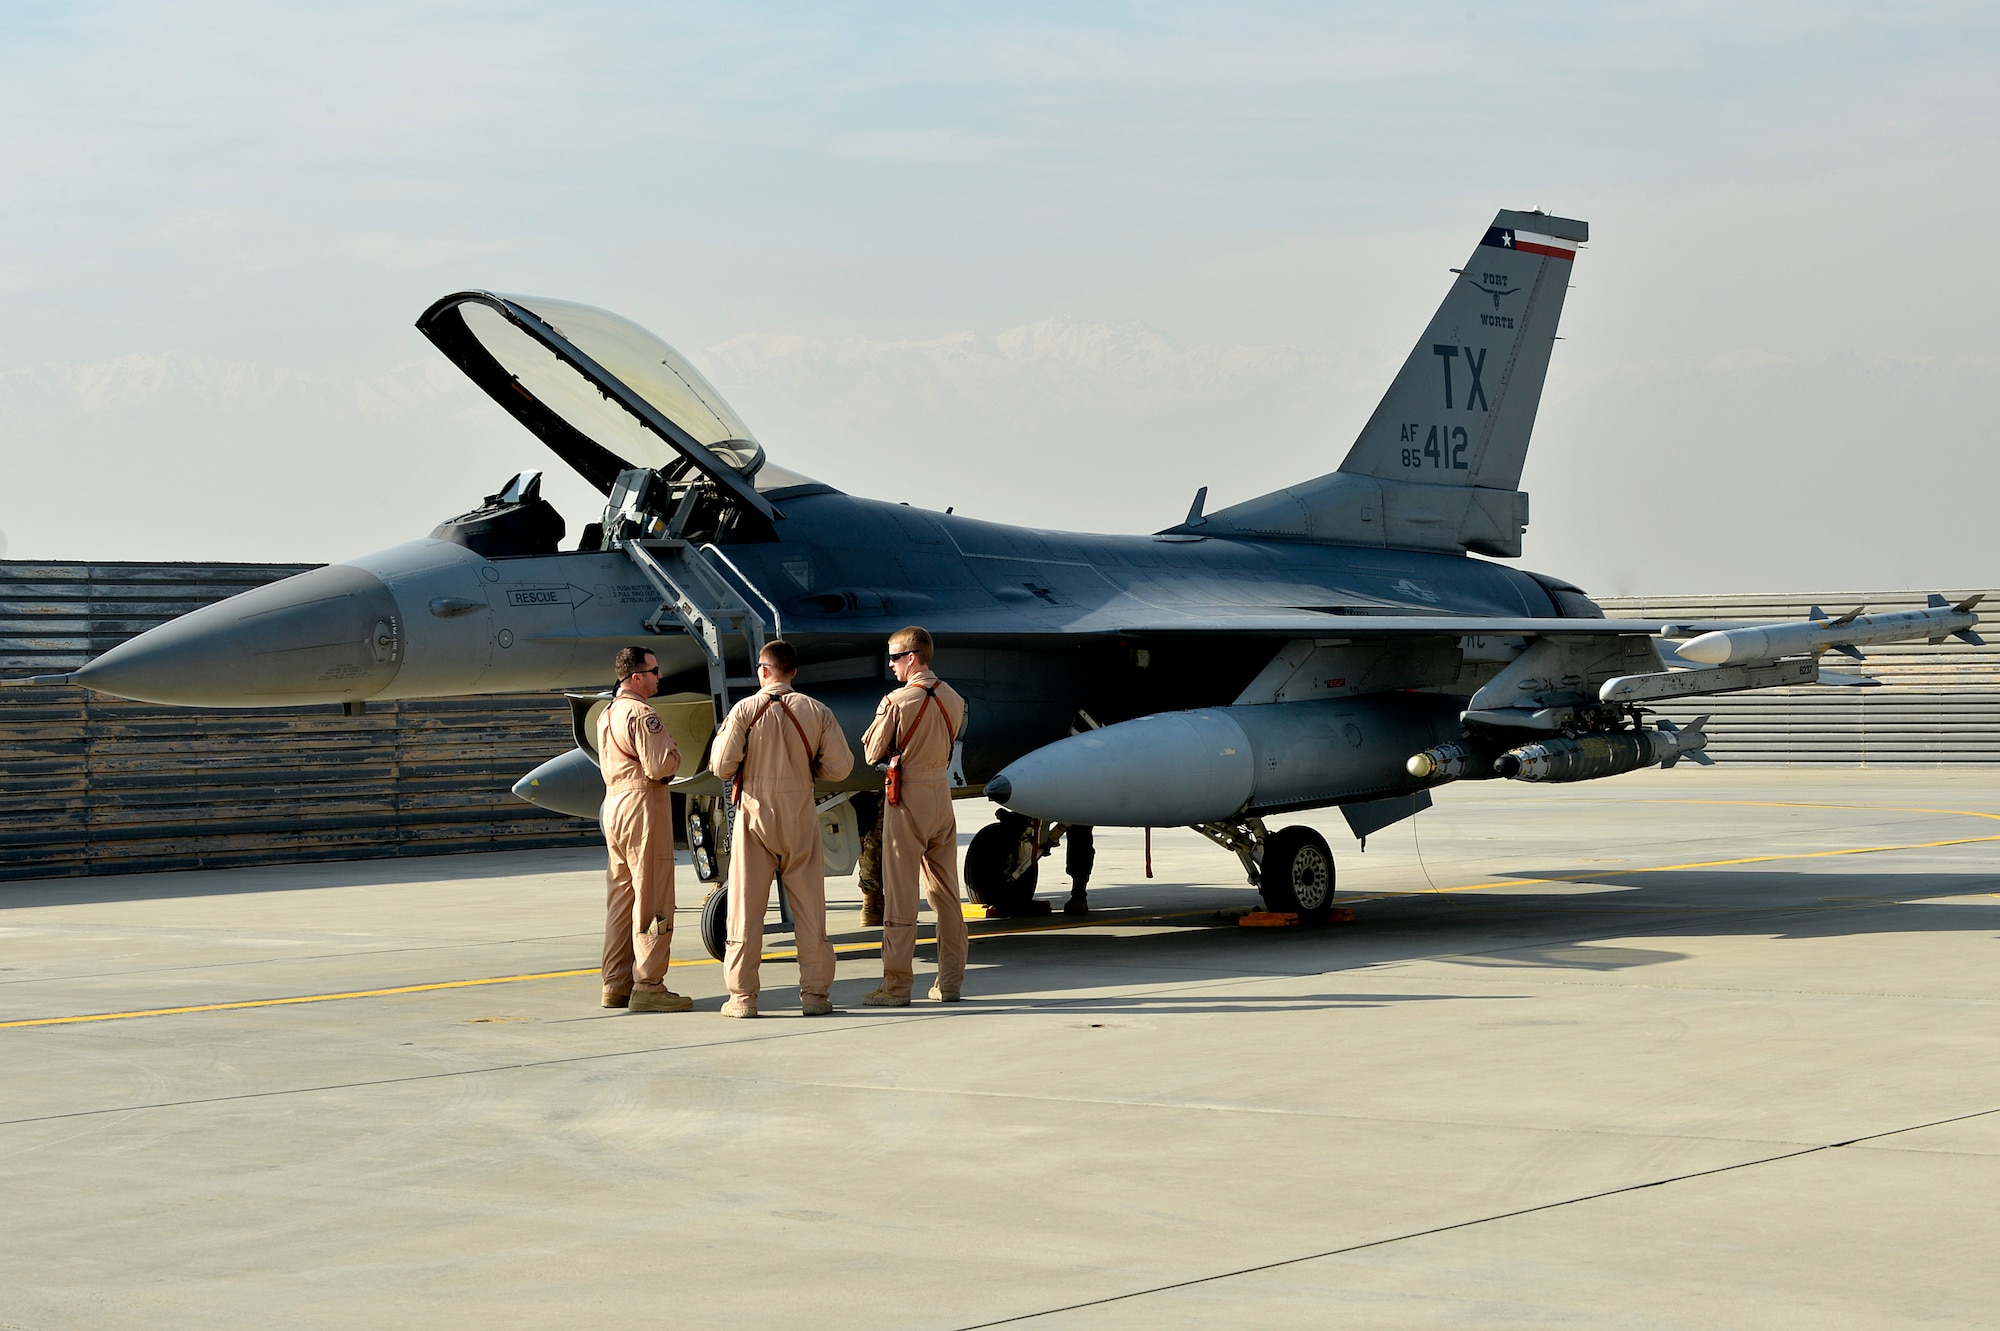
(1969, 602)
(1967, 635)
(1816, 613)
(1848, 618)
(1696, 731)
(1849, 650)
(1936, 602)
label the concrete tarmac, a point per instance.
(1678, 1048)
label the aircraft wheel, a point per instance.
(1298, 873)
(708, 831)
(1001, 866)
(715, 921)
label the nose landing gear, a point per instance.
(1003, 863)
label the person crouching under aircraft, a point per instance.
(914, 730)
(638, 758)
(772, 746)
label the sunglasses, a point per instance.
(897, 656)
(636, 673)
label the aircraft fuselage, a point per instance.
(1034, 624)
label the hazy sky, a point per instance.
(1057, 264)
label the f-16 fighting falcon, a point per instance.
(1350, 640)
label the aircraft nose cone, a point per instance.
(332, 635)
(999, 790)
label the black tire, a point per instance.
(707, 831)
(715, 921)
(1298, 873)
(1001, 866)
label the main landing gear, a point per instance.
(1298, 873)
(1292, 868)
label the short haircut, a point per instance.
(913, 639)
(782, 656)
(629, 661)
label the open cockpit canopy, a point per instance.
(602, 392)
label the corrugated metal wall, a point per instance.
(1937, 705)
(90, 784)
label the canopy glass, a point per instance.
(600, 390)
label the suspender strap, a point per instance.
(736, 784)
(930, 696)
(792, 716)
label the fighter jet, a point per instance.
(1352, 640)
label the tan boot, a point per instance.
(740, 1007)
(943, 995)
(614, 998)
(883, 998)
(660, 1000)
(816, 1007)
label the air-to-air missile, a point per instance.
(1821, 632)
(1180, 768)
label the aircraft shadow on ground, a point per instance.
(1190, 1005)
(1515, 931)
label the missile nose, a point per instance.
(1709, 649)
(1000, 789)
(331, 635)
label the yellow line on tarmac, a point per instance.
(1803, 804)
(1747, 859)
(302, 998)
(787, 955)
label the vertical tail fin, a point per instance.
(1463, 406)
(1438, 466)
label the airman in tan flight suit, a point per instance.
(638, 757)
(773, 744)
(916, 725)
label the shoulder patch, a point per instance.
(652, 721)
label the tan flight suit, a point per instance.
(920, 835)
(777, 830)
(637, 755)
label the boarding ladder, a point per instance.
(701, 590)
